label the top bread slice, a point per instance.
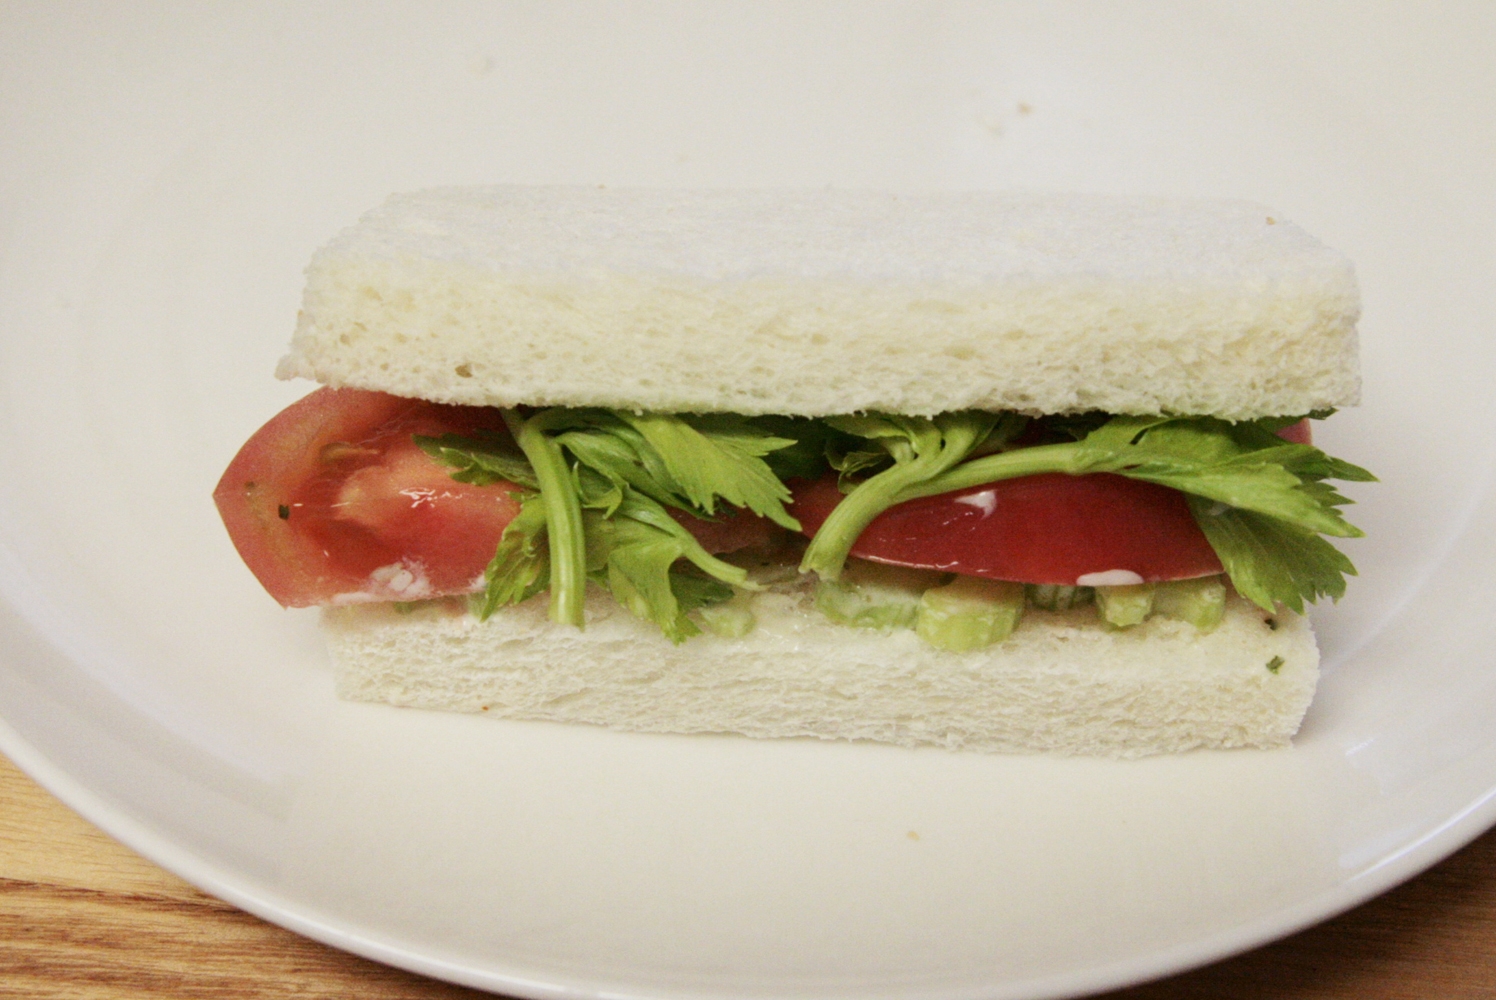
(826, 302)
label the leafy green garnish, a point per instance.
(1261, 501)
(482, 459)
(599, 485)
(1075, 426)
(707, 457)
(1270, 561)
(563, 512)
(853, 465)
(805, 458)
(638, 557)
(520, 568)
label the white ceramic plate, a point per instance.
(167, 170)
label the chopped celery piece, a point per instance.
(1124, 606)
(872, 595)
(1058, 596)
(969, 613)
(731, 620)
(1201, 602)
(449, 604)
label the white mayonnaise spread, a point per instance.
(401, 581)
(985, 501)
(1109, 578)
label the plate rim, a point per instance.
(1406, 861)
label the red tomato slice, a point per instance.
(1299, 433)
(1049, 528)
(734, 529)
(332, 502)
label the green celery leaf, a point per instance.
(1271, 562)
(645, 511)
(903, 438)
(806, 457)
(638, 571)
(1008, 427)
(482, 459)
(1075, 425)
(736, 432)
(597, 491)
(1311, 463)
(633, 554)
(851, 466)
(601, 441)
(611, 450)
(1238, 465)
(520, 568)
(1260, 500)
(682, 465)
(1197, 440)
(638, 575)
(723, 460)
(694, 592)
(1256, 486)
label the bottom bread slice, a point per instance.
(1063, 682)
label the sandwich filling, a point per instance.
(352, 496)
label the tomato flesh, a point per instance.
(733, 529)
(331, 501)
(1049, 528)
(1299, 433)
(405, 512)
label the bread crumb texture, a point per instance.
(829, 302)
(1062, 683)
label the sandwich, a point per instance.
(1025, 473)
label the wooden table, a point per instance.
(82, 917)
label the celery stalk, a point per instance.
(922, 449)
(969, 613)
(1126, 605)
(563, 514)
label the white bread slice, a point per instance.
(1063, 682)
(831, 302)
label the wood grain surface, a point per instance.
(82, 917)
